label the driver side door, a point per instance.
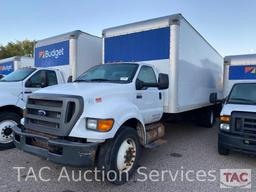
(33, 83)
(149, 99)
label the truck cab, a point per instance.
(15, 89)
(237, 129)
(103, 118)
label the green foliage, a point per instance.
(18, 48)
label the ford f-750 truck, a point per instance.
(104, 118)
(56, 60)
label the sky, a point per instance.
(229, 25)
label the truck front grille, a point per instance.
(53, 114)
(244, 124)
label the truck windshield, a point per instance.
(113, 73)
(244, 93)
(18, 75)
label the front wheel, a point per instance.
(7, 121)
(222, 150)
(119, 157)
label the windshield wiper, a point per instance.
(93, 80)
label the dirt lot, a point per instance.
(190, 149)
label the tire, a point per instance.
(7, 120)
(206, 118)
(110, 156)
(222, 150)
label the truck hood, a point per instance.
(229, 108)
(10, 88)
(85, 89)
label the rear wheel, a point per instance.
(7, 121)
(206, 117)
(119, 157)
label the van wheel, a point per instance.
(222, 150)
(119, 157)
(7, 121)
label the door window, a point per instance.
(36, 80)
(147, 75)
(51, 78)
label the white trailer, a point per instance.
(170, 43)
(72, 53)
(11, 64)
(238, 69)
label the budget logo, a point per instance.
(5, 68)
(54, 53)
(250, 69)
(41, 54)
(235, 178)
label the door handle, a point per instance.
(27, 92)
(139, 96)
(160, 95)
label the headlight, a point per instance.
(103, 125)
(91, 124)
(224, 127)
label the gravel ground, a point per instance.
(188, 148)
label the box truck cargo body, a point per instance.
(72, 53)
(11, 64)
(171, 44)
(238, 68)
(113, 110)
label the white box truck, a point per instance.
(11, 64)
(111, 111)
(56, 59)
(237, 129)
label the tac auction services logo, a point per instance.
(54, 53)
(235, 178)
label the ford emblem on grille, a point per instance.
(41, 112)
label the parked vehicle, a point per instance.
(112, 110)
(237, 129)
(11, 64)
(57, 59)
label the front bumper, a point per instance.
(237, 143)
(56, 150)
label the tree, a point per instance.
(18, 48)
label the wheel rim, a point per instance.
(6, 134)
(126, 155)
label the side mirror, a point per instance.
(213, 98)
(28, 83)
(163, 81)
(70, 79)
(139, 84)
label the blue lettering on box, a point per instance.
(141, 46)
(52, 55)
(242, 72)
(6, 68)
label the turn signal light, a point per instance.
(105, 124)
(225, 118)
